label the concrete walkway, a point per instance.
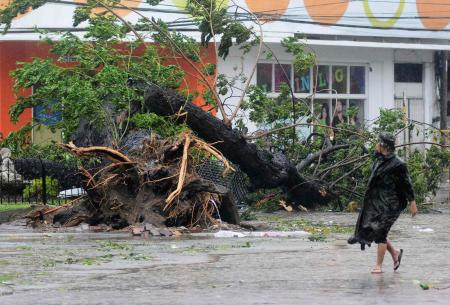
(115, 269)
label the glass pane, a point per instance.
(408, 73)
(282, 75)
(264, 77)
(322, 111)
(340, 79)
(302, 82)
(322, 79)
(357, 80)
(356, 112)
(339, 112)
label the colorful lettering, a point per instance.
(339, 75)
(306, 83)
(383, 23)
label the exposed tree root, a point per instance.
(182, 174)
(96, 151)
(157, 185)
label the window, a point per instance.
(335, 83)
(335, 111)
(408, 73)
(339, 74)
(322, 78)
(357, 80)
(264, 77)
(282, 75)
(322, 111)
(356, 112)
(302, 82)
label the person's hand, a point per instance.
(413, 208)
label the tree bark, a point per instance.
(265, 170)
(444, 93)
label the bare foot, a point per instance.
(376, 270)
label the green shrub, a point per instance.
(34, 190)
(160, 125)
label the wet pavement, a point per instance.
(101, 268)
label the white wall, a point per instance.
(380, 78)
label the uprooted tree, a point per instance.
(140, 140)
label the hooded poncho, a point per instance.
(389, 190)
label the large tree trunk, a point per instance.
(152, 180)
(265, 170)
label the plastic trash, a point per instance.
(279, 234)
(426, 230)
(229, 234)
(423, 230)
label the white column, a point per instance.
(429, 92)
(375, 93)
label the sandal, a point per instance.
(399, 260)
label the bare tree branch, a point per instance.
(261, 135)
(342, 164)
(346, 174)
(213, 90)
(258, 55)
(424, 142)
(313, 157)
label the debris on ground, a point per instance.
(423, 230)
(230, 234)
(285, 206)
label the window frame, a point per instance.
(321, 95)
(330, 96)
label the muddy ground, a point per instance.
(111, 268)
(11, 215)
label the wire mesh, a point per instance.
(236, 181)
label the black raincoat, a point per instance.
(389, 190)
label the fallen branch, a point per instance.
(346, 174)
(313, 157)
(64, 205)
(342, 164)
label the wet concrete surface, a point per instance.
(102, 268)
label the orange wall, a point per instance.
(192, 82)
(12, 52)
